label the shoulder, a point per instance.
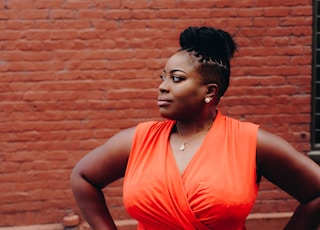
(126, 135)
(275, 154)
(271, 145)
(274, 151)
(282, 164)
(236, 125)
(153, 127)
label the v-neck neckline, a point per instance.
(196, 153)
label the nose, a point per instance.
(163, 87)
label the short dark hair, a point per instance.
(214, 49)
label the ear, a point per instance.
(212, 90)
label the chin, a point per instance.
(168, 116)
(164, 114)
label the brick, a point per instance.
(48, 4)
(262, 22)
(16, 4)
(10, 35)
(276, 12)
(63, 14)
(30, 14)
(118, 14)
(77, 4)
(8, 14)
(37, 35)
(101, 4)
(91, 14)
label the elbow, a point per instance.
(79, 181)
(74, 177)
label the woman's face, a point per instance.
(182, 91)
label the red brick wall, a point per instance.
(74, 72)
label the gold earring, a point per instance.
(207, 100)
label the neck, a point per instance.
(190, 127)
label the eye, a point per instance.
(176, 78)
(162, 77)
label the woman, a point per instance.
(198, 169)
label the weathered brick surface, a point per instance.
(74, 72)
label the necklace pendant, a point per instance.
(182, 147)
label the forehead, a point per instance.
(181, 60)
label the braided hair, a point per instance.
(213, 49)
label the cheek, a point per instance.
(191, 97)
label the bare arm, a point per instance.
(296, 174)
(93, 172)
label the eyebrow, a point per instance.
(174, 70)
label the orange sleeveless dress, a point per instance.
(216, 191)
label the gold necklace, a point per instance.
(182, 146)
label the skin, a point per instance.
(181, 97)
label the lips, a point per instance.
(163, 101)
